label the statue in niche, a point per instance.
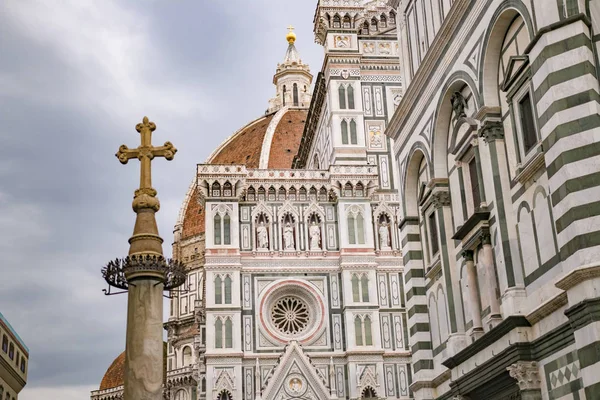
(288, 237)
(459, 104)
(262, 236)
(315, 236)
(384, 235)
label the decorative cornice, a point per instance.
(578, 275)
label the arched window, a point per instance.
(350, 97)
(218, 290)
(302, 193)
(337, 21)
(368, 333)
(344, 132)
(181, 395)
(281, 193)
(216, 189)
(187, 356)
(342, 96)
(316, 162)
(433, 321)
(374, 24)
(351, 229)
(348, 189)
(292, 193)
(224, 395)
(219, 333)
(442, 315)
(226, 229)
(365, 28)
(383, 21)
(217, 229)
(295, 92)
(203, 385)
(392, 18)
(227, 290)
(283, 94)
(364, 286)
(359, 190)
(358, 331)
(360, 228)
(347, 22)
(353, 136)
(369, 393)
(228, 334)
(251, 193)
(355, 289)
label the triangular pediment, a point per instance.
(516, 64)
(295, 377)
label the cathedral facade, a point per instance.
(420, 222)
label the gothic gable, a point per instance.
(294, 377)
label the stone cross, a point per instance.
(146, 152)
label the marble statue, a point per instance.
(315, 236)
(262, 236)
(384, 236)
(288, 237)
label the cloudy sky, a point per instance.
(75, 78)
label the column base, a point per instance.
(475, 333)
(456, 343)
(491, 321)
(513, 301)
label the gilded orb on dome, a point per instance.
(291, 36)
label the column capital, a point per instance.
(467, 255)
(527, 375)
(486, 237)
(440, 199)
(491, 130)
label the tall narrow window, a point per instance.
(342, 96)
(368, 334)
(228, 334)
(364, 285)
(474, 184)
(227, 290)
(350, 97)
(283, 94)
(360, 228)
(344, 132)
(527, 123)
(355, 289)
(187, 356)
(219, 333)
(217, 229)
(351, 230)
(226, 229)
(353, 137)
(295, 93)
(4, 343)
(358, 331)
(22, 364)
(218, 290)
(433, 234)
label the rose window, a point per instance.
(290, 315)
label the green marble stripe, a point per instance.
(560, 47)
(414, 273)
(568, 102)
(411, 237)
(463, 199)
(419, 327)
(418, 309)
(575, 185)
(589, 355)
(446, 268)
(580, 242)
(593, 391)
(573, 155)
(421, 346)
(571, 128)
(564, 75)
(424, 364)
(412, 255)
(415, 291)
(577, 213)
(508, 262)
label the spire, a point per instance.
(292, 79)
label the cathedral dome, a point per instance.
(114, 375)
(270, 141)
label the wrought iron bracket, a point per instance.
(115, 272)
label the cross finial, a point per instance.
(290, 28)
(146, 152)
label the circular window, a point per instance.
(290, 315)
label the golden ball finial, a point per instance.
(291, 36)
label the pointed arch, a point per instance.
(295, 95)
(342, 96)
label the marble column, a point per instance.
(528, 378)
(474, 303)
(491, 289)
